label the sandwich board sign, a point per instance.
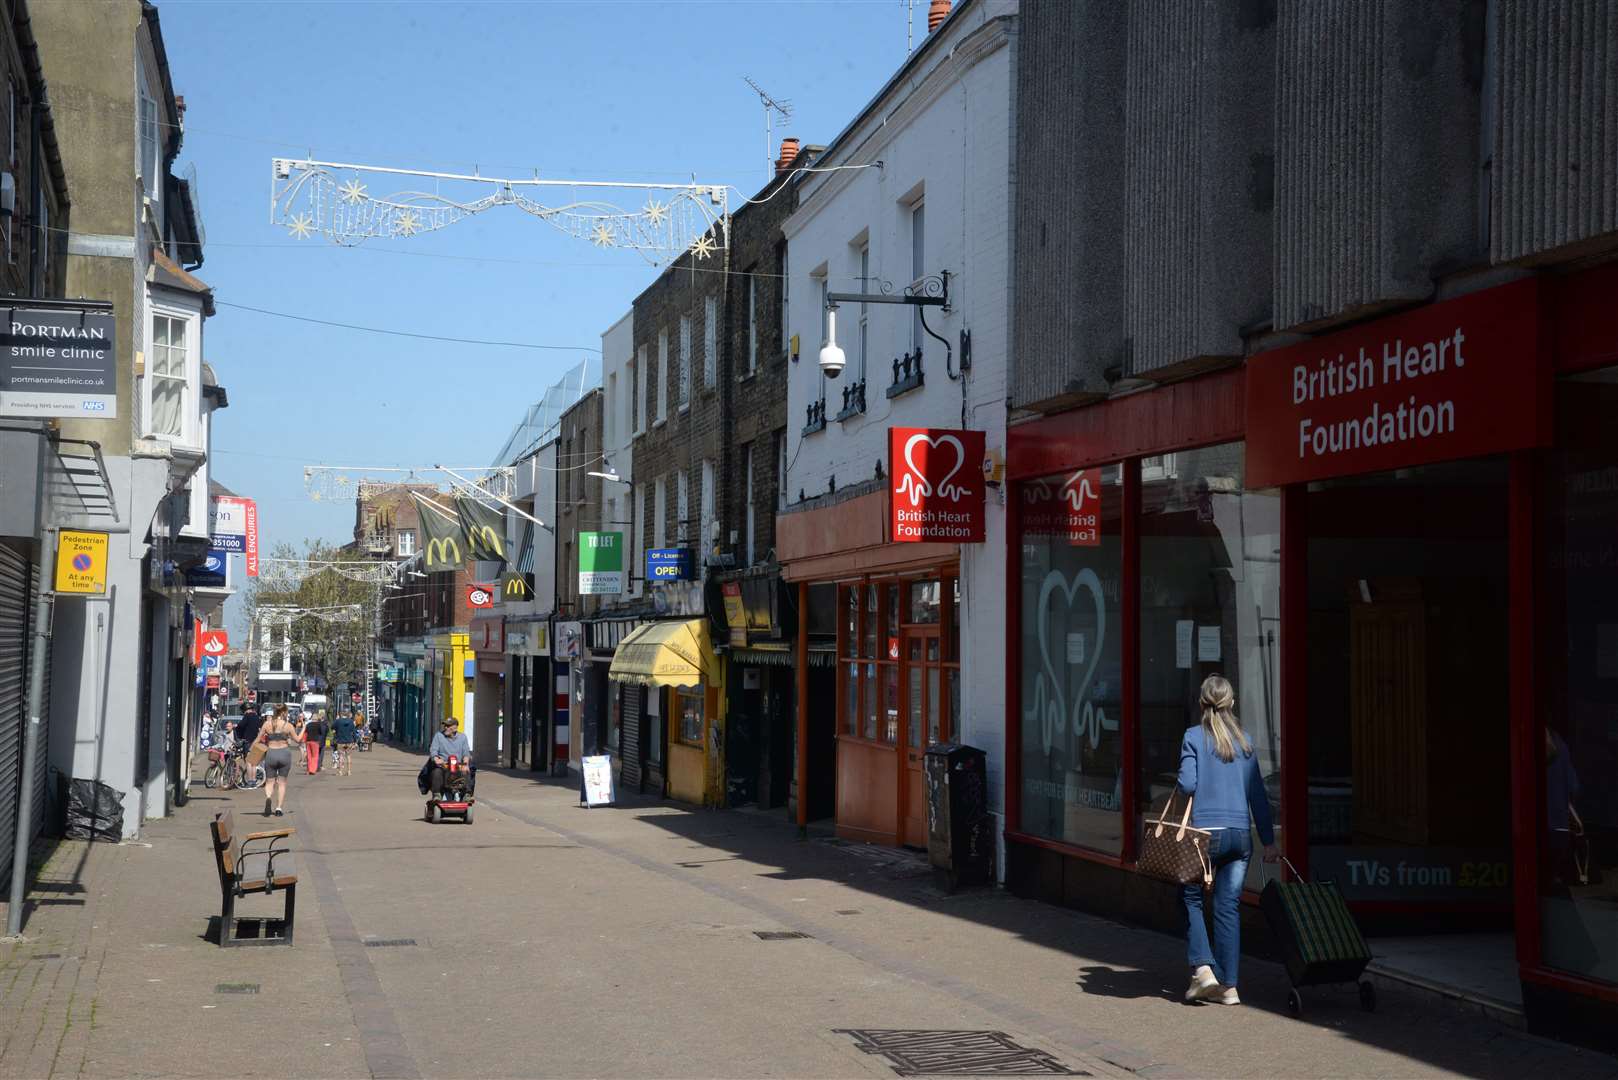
(598, 780)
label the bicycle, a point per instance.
(218, 767)
(241, 776)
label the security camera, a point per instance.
(832, 360)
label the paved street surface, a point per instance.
(549, 940)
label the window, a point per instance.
(11, 110)
(660, 502)
(1211, 551)
(705, 542)
(747, 494)
(150, 141)
(781, 470)
(662, 375)
(406, 542)
(865, 286)
(168, 375)
(685, 363)
(1072, 658)
(877, 643)
(821, 289)
(786, 321)
(689, 704)
(682, 505)
(637, 562)
(752, 320)
(918, 263)
(710, 341)
(637, 380)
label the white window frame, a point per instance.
(781, 470)
(637, 568)
(786, 320)
(187, 435)
(865, 309)
(660, 514)
(822, 287)
(918, 262)
(747, 490)
(710, 341)
(149, 137)
(405, 543)
(663, 392)
(637, 368)
(752, 322)
(1159, 467)
(682, 505)
(684, 388)
(707, 507)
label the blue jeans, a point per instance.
(1229, 850)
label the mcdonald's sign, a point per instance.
(515, 587)
(485, 529)
(444, 553)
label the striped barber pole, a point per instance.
(564, 734)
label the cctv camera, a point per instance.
(832, 361)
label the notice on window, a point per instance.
(1075, 648)
(1184, 631)
(1208, 644)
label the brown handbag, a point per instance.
(1173, 851)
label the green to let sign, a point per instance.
(601, 563)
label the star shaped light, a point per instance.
(656, 212)
(602, 236)
(302, 226)
(408, 224)
(704, 246)
(352, 192)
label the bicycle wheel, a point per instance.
(211, 778)
(254, 778)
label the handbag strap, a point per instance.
(1168, 808)
(1186, 819)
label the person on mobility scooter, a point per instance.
(449, 777)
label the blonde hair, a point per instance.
(1219, 718)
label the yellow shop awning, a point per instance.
(665, 654)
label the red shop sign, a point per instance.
(1454, 380)
(937, 492)
(1071, 509)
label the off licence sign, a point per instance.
(81, 562)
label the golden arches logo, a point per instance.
(439, 550)
(516, 586)
(487, 537)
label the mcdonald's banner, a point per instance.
(515, 587)
(485, 529)
(445, 547)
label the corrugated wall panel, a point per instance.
(14, 581)
(1554, 175)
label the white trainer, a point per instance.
(1203, 984)
(1228, 997)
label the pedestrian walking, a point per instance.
(1219, 771)
(345, 737)
(277, 735)
(314, 740)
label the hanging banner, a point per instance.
(601, 563)
(1071, 510)
(227, 523)
(485, 529)
(445, 549)
(937, 491)
(1459, 379)
(252, 538)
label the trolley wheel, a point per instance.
(1294, 1002)
(1367, 995)
(432, 813)
(467, 815)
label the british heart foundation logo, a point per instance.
(935, 495)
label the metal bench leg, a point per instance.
(227, 920)
(292, 904)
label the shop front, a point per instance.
(674, 661)
(527, 692)
(602, 700)
(760, 622)
(487, 639)
(451, 670)
(1394, 541)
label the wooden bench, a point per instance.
(247, 867)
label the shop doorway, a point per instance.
(1408, 704)
(926, 722)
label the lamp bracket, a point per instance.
(929, 291)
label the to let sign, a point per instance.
(1454, 380)
(601, 563)
(936, 491)
(81, 562)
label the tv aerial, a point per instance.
(773, 107)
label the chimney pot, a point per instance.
(789, 154)
(937, 13)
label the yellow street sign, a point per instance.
(81, 562)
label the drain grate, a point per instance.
(389, 943)
(235, 988)
(956, 1053)
(778, 935)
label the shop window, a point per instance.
(1578, 876)
(924, 601)
(1210, 562)
(868, 672)
(689, 704)
(1071, 677)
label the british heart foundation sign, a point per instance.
(1459, 379)
(937, 485)
(1071, 509)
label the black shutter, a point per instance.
(43, 756)
(630, 741)
(14, 582)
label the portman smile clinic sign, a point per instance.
(1459, 379)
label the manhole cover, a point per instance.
(235, 988)
(778, 935)
(389, 943)
(956, 1053)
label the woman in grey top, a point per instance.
(277, 736)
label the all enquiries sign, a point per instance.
(936, 492)
(601, 563)
(1454, 380)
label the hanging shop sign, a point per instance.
(252, 538)
(735, 612)
(213, 643)
(1454, 380)
(480, 596)
(81, 562)
(516, 587)
(601, 563)
(212, 574)
(671, 564)
(57, 362)
(937, 489)
(1071, 509)
(227, 523)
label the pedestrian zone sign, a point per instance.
(81, 562)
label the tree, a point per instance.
(329, 633)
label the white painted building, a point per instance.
(921, 188)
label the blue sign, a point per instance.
(210, 663)
(202, 677)
(211, 574)
(671, 564)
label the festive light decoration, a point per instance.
(342, 483)
(329, 198)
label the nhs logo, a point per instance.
(93, 406)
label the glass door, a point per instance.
(926, 721)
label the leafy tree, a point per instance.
(330, 631)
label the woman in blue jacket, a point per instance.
(1219, 771)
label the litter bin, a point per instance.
(960, 835)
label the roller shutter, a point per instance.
(630, 739)
(42, 767)
(15, 574)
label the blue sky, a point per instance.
(609, 89)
